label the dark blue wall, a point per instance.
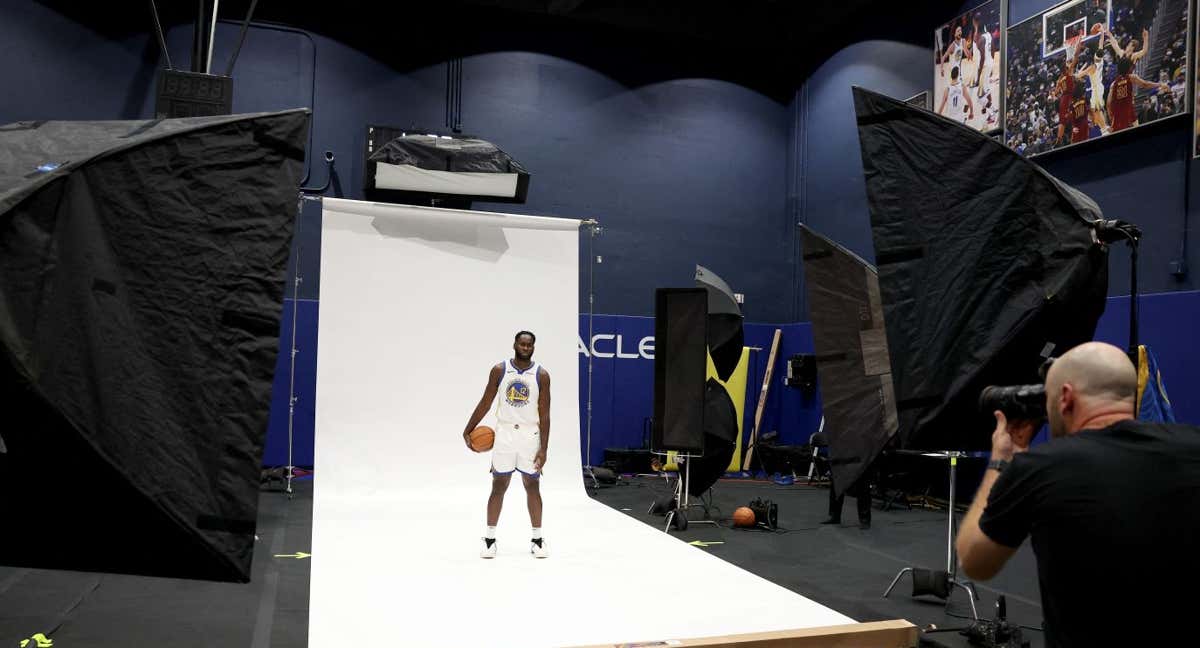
(679, 170)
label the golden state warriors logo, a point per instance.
(516, 393)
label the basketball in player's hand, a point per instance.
(1096, 28)
(482, 438)
(743, 517)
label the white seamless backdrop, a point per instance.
(416, 305)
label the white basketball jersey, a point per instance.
(957, 104)
(517, 398)
(987, 47)
(956, 53)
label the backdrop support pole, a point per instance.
(593, 229)
(291, 468)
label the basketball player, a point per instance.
(522, 436)
(1094, 71)
(955, 51)
(984, 76)
(1120, 96)
(1064, 91)
(1131, 50)
(1081, 130)
(960, 102)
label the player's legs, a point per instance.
(500, 483)
(533, 499)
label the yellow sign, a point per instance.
(42, 641)
(736, 386)
(299, 555)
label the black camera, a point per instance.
(1018, 402)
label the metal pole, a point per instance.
(212, 33)
(1133, 300)
(593, 229)
(950, 567)
(591, 330)
(291, 468)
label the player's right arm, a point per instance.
(485, 402)
(942, 106)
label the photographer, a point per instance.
(1112, 506)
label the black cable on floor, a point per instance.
(969, 618)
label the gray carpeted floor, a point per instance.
(844, 568)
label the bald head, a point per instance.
(1092, 383)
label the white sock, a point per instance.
(537, 533)
(491, 533)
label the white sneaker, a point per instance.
(489, 550)
(538, 548)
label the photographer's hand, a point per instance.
(1010, 438)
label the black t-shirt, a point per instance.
(1114, 516)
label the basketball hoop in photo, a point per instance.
(1065, 25)
(1072, 45)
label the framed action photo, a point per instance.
(967, 68)
(1086, 69)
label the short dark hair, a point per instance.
(954, 73)
(1124, 65)
(532, 337)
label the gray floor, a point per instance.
(841, 567)
(99, 611)
(844, 568)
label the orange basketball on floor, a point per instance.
(482, 438)
(743, 517)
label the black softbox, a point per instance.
(983, 257)
(141, 283)
(850, 340)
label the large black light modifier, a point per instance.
(414, 166)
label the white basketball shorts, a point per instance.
(514, 449)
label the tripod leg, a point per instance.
(971, 596)
(895, 580)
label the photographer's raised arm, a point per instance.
(981, 555)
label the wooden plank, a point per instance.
(877, 634)
(762, 398)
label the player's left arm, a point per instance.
(543, 379)
(1137, 56)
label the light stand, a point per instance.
(678, 515)
(594, 230)
(1112, 231)
(950, 575)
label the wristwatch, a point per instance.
(998, 465)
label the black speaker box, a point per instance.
(802, 371)
(680, 364)
(628, 461)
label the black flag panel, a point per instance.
(857, 399)
(983, 259)
(141, 285)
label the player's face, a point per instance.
(523, 347)
(957, 33)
